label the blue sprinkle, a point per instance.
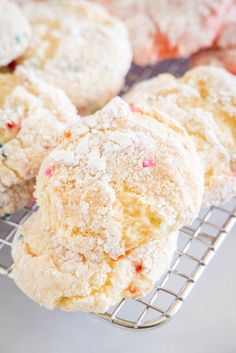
(21, 237)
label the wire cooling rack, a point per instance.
(197, 245)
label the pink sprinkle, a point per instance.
(27, 80)
(135, 109)
(48, 172)
(149, 163)
(11, 124)
(234, 173)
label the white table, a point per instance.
(206, 323)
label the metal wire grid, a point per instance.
(138, 73)
(197, 245)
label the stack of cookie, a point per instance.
(78, 48)
(113, 187)
(110, 198)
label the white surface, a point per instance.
(206, 323)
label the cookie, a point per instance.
(226, 38)
(204, 102)
(15, 32)
(224, 58)
(56, 276)
(223, 51)
(169, 29)
(123, 179)
(15, 197)
(80, 48)
(33, 115)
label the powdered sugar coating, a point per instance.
(15, 32)
(223, 51)
(101, 199)
(33, 115)
(57, 276)
(15, 197)
(167, 29)
(227, 37)
(79, 47)
(204, 102)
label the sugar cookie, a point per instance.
(80, 48)
(204, 102)
(122, 179)
(59, 277)
(33, 115)
(223, 51)
(15, 32)
(15, 197)
(227, 36)
(168, 29)
(224, 58)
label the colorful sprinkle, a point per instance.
(17, 39)
(149, 163)
(4, 156)
(27, 80)
(67, 134)
(5, 216)
(139, 267)
(12, 66)
(48, 171)
(233, 173)
(21, 237)
(135, 109)
(11, 124)
(132, 290)
(1, 144)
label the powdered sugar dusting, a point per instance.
(122, 201)
(204, 102)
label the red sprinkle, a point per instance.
(12, 66)
(135, 109)
(138, 267)
(149, 163)
(11, 124)
(48, 172)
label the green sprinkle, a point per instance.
(5, 216)
(21, 237)
(17, 39)
(4, 156)
(1, 144)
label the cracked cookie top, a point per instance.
(120, 180)
(33, 115)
